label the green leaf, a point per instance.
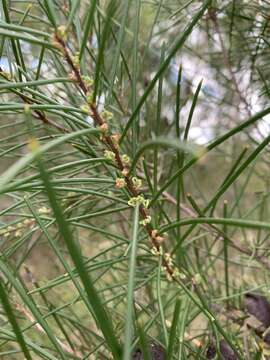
(51, 13)
(12, 319)
(117, 52)
(74, 8)
(104, 39)
(173, 330)
(99, 312)
(129, 327)
(7, 85)
(193, 105)
(160, 303)
(88, 27)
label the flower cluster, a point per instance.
(109, 155)
(120, 183)
(138, 200)
(137, 183)
(168, 259)
(125, 159)
(157, 252)
(62, 32)
(106, 115)
(197, 279)
(146, 221)
(125, 172)
(44, 210)
(174, 274)
(104, 128)
(168, 275)
(157, 238)
(88, 81)
(76, 60)
(72, 76)
(115, 139)
(170, 271)
(89, 97)
(6, 232)
(17, 230)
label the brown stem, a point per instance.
(109, 143)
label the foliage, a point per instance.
(123, 233)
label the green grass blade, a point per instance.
(87, 27)
(51, 13)
(20, 85)
(135, 64)
(74, 8)
(100, 314)
(158, 121)
(226, 258)
(143, 343)
(129, 328)
(14, 43)
(160, 303)
(30, 39)
(104, 39)
(182, 326)
(12, 319)
(193, 105)
(23, 29)
(173, 330)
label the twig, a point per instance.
(108, 141)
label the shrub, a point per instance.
(122, 235)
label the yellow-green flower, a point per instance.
(125, 159)
(88, 80)
(62, 32)
(146, 221)
(89, 97)
(137, 183)
(109, 155)
(107, 115)
(85, 108)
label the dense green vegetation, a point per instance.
(134, 213)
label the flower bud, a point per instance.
(104, 127)
(120, 183)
